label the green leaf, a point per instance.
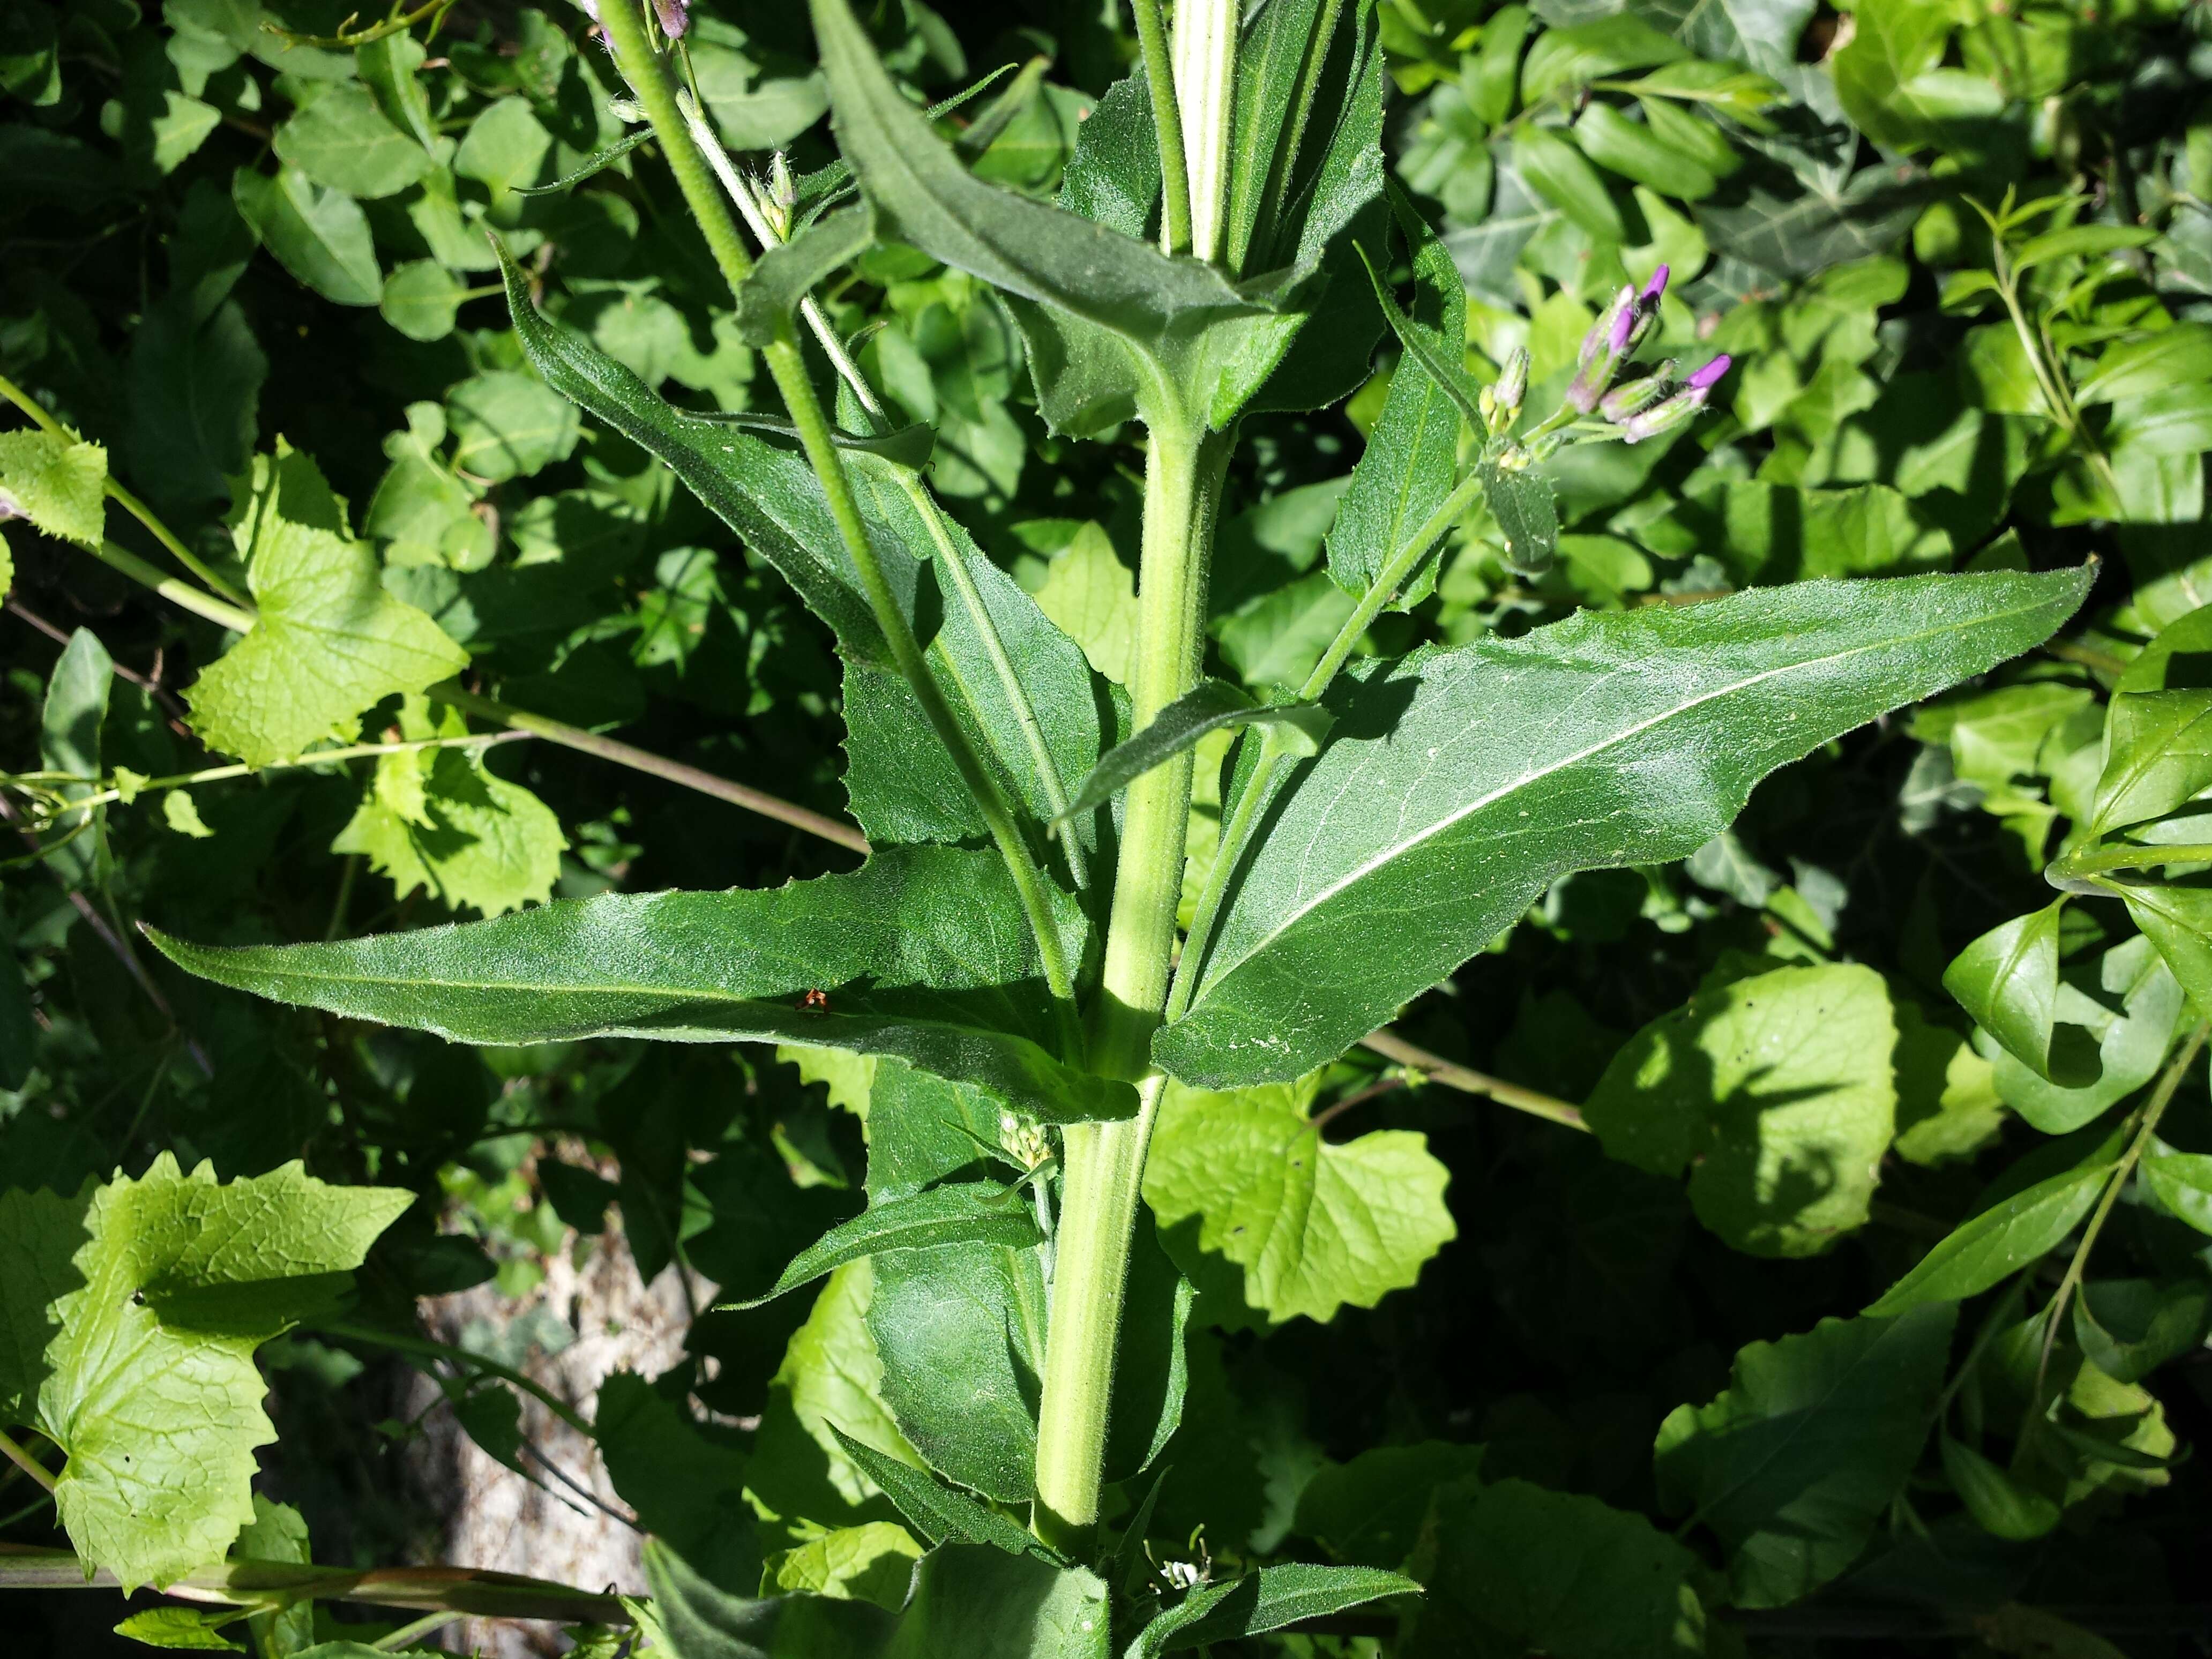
(508, 425)
(2000, 1240)
(2175, 421)
(56, 481)
(1512, 1568)
(686, 1486)
(1761, 33)
(163, 1288)
(2000, 1504)
(342, 140)
(195, 389)
(936, 934)
(961, 1212)
(1113, 176)
(1793, 1466)
(329, 641)
(939, 1513)
(1314, 1224)
(1371, 1511)
(421, 299)
(2182, 1182)
(768, 494)
(699, 1620)
(2129, 1328)
(1412, 460)
(191, 1629)
(1558, 172)
(1439, 356)
(69, 723)
(1210, 706)
(2175, 357)
(319, 235)
(870, 1563)
(1089, 594)
(504, 147)
(2008, 980)
(1266, 1600)
(2178, 921)
(1638, 151)
(2157, 754)
(1608, 739)
(443, 821)
(388, 69)
(1520, 500)
(2123, 1004)
(1098, 278)
(1775, 1092)
(787, 272)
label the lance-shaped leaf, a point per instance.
(606, 158)
(2008, 980)
(1266, 1600)
(1210, 706)
(1412, 458)
(963, 1212)
(2177, 920)
(786, 272)
(2157, 754)
(908, 446)
(1440, 356)
(2004, 1236)
(767, 494)
(939, 1512)
(923, 953)
(925, 197)
(1458, 785)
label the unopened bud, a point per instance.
(675, 16)
(1664, 417)
(1601, 331)
(625, 109)
(1634, 395)
(782, 188)
(1512, 385)
(1024, 1139)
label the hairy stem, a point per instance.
(1167, 119)
(1104, 1162)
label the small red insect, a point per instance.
(815, 1002)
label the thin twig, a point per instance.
(1359, 1098)
(29, 1465)
(1435, 1068)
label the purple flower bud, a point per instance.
(1601, 331)
(1636, 395)
(1653, 288)
(675, 16)
(1703, 378)
(1623, 321)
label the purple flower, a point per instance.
(675, 16)
(1653, 288)
(1703, 380)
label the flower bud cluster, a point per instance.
(1500, 401)
(1023, 1137)
(1612, 340)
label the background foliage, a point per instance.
(254, 274)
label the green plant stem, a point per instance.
(1167, 120)
(1104, 1162)
(2154, 1109)
(2050, 375)
(263, 1584)
(646, 71)
(2084, 864)
(1435, 1068)
(1236, 833)
(1205, 93)
(655, 766)
(402, 1342)
(219, 774)
(13, 1452)
(408, 1634)
(122, 498)
(183, 595)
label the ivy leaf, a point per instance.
(1314, 1224)
(55, 481)
(442, 820)
(1210, 706)
(960, 1212)
(329, 641)
(2157, 754)
(1775, 1092)
(1458, 785)
(923, 953)
(2008, 980)
(162, 1287)
(1512, 1568)
(1795, 1463)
